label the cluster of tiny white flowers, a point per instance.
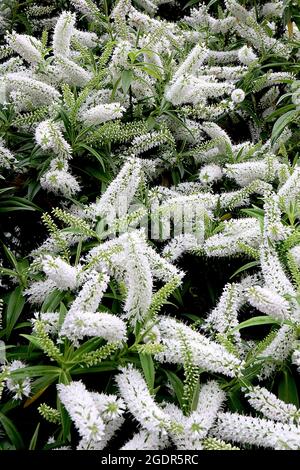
(19, 387)
(90, 413)
(257, 431)
(102, 113)
(140, 403)
(28, 47)
(207, 354)
(61, 273)
(7, 159)
(270, 406)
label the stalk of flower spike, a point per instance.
(91, 292)
(193, 61)
(273, 227)
(277, 351)
(273, 9)
(202, 419)
(290, 190)
(273, 272)
(190, 89)
(179, 245)
(210, 173)
(246, 55)
(224, 317)
(111, 410)
(161, 268)
(85, 38)
(39, 290)
(60, 182)
(210, 400)
(87, 8)
(190, 431)
(216, 132)
(296, 358)
(295, 253)
(246, 172)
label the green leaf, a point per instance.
(234, 398)
(52, 301)
(152, 72)
(32, 339)
(105, 366)
(90, 345)
(65, 379)
(193, 317)
(281, 123)
(38, 387)
(126, 79)
(62, 314)
(8, 272)
(255, 321)
(287, 388)
(14, 309)
(280, 111)
(254, 212)
(148, 369)
(35, 371)
(249, 265)
(176, 384)
(195, 397)
(93, 152)
(14, 203)
(33, 441)
(42, 383)
(11, 257)
(11, 432)
(193, 2)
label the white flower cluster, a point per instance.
(207, 354)
(96, 416)
(102, 113)
(7, 159)
(19, 387)
(140, 403)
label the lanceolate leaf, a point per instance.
(14, 309)
(148, 369)
(282, 122)
(256, 321)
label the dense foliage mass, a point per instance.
(150, 239)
